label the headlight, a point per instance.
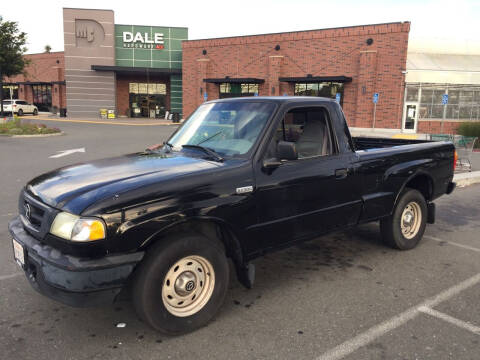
(75, 228)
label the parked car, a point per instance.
(240, 178)
(20, 107)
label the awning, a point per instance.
(235, 80)
(316, 79)
(128, 69)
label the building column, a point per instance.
(28, 94)
(274, 67)
(202, 72)
(367, 75)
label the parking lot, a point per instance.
(343, 296)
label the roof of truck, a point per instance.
(277, 99)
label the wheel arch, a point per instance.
(210, 227)
(420, 181)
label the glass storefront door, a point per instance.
(147, 100)
(410, 118)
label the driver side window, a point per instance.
(308, 128)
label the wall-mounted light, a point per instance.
(369, 41)
(277, 47)
(58, 61)
(204, 52)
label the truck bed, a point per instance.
(368, 143)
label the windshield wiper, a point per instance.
(210, 152)
(210, 138)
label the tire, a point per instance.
(35, 112)
(20, 112)
(174, 301)
(404, 229)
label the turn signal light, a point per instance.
(455, 158)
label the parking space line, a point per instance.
(5, 277)
(355, 343)
(450, 319)
(452, 243)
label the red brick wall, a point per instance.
(330, 52)
(434, 127)
(44, 67)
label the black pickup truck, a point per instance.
(241, 177)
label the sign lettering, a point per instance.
(142, 40)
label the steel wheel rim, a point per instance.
(188, 286)
(411, 220)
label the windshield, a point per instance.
(228, 128)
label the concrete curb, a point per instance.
(37, 136)
(465, 179)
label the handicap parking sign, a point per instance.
(445, 99)
(338, 96)
(375, 98)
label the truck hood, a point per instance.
(76, 187)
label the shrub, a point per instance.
(15, 131)
(470, 129)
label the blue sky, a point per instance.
(451, 25)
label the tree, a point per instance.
(48, 48)
(12, 48)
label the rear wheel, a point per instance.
(35, 112)
(181, 284)
(404, 229)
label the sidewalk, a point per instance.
(118, 121)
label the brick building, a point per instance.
(349, 64)
(43, 83)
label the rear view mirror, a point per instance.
(286, 150)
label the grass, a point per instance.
(15, 127)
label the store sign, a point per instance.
(142, 40)
(88, 33)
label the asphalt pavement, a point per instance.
(345, 295)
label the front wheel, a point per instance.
(181, 284)
(35, 112)
(404, 229)
(20, 112)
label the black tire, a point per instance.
(20, 112)
(150, 279)
(35, 112)
(391, 227)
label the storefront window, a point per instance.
(463, 102)
(412, 94)
(229, 90)
(6, 91)
(147, 100)
(42, 97)
(323, 89)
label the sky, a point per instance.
(446, 26)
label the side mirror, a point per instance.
(286, 150)
(271, 163)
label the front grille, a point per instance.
(35, 215)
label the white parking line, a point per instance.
(349, 346)
(452, 243)
(5, 277)
(450, 319)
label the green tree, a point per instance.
(12, 48)
(48, 48)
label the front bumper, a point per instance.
(73, 281)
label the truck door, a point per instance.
(311, 195)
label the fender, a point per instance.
(228, 235)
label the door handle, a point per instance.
(341, 173)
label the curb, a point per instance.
(37, 136)
(465, 179)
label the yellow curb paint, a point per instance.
(405, 136)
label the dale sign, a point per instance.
(143, 40)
